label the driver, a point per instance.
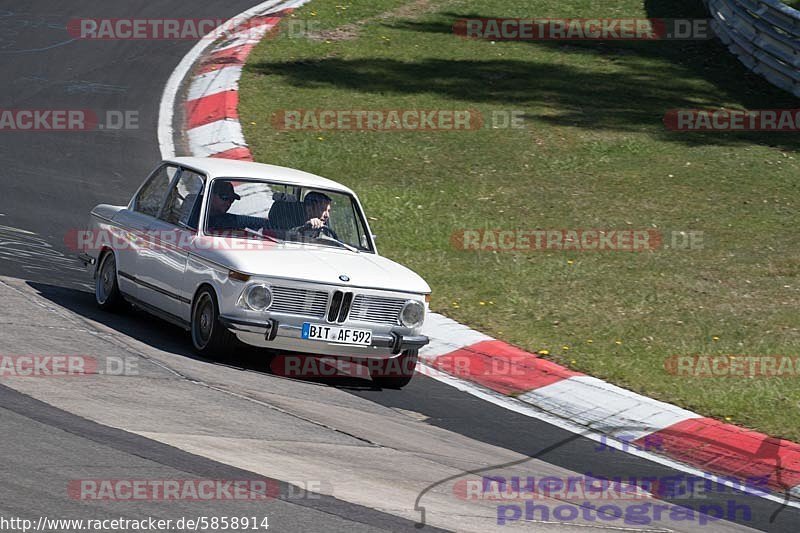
(317, 207)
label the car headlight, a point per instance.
(413, 314)
(257, 297)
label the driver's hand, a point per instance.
(315, 223)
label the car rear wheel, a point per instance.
(106, 287)
(209, 337)
(396, 373)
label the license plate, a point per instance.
(316, 332)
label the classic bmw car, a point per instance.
(266, 255)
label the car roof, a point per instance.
(230, 168)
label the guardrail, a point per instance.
(764, 35)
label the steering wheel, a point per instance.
(306, 228)
(329, 231)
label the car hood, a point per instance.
(322, 265)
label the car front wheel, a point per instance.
(209, 337)
(397, 372)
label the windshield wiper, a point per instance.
(337, 241)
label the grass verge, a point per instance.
(594, 154)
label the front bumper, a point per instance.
(87, 262)
(288, 336)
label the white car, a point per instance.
(271, 256)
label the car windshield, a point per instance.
(265, 210)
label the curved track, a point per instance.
(165, 419)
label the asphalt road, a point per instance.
(50, 181)
(49, 447)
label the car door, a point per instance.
(172, 235)
(132, 227)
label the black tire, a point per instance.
(106, 284)
(209, 337)
(396, 373)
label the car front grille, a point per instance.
(340, 306)
(376, 309)
(299, 301)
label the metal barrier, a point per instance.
(764, 35)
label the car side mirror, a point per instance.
(374, 237)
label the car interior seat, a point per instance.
(286, 215)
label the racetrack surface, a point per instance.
(76, 448)
(210, 419)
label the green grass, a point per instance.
(594, 154)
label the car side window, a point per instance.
(151, 197)
(183, 203)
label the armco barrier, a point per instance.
(764, 35)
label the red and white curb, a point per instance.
(212, 119)
(212, 129)
(212, 70)
(648, 424)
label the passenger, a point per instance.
(220, 201)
